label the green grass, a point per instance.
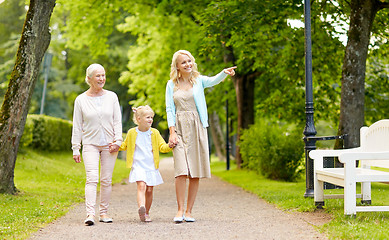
(290, 196)
(49, 185)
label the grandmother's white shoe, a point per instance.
(89, 221)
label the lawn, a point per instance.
(49, 185)
(290, 196)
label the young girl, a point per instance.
(143, 144)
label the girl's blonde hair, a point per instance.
(140, 111)
(175, 75)
(90, 70)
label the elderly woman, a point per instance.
(188, 121)
(97, 123)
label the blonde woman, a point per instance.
(187, 120)
(97, 122)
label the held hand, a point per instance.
(77, 158)
(113, 148)
(230, 71)
(173, 140)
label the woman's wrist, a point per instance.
(172, 130)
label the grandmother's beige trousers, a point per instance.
(91, 155)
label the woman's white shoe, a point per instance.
(105, 219)
(189, 219)
(178, 219)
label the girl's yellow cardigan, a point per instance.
(157, 142)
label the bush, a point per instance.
(272, 151)
(47, 133)
(26, 139)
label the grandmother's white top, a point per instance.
(92, 123)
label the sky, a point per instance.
(342, 29)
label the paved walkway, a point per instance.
(222, 211)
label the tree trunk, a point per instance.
(244, 88)
(34, 41)
(217, 136)
(353, 73)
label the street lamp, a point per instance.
(227, 138)
(309, 130)
(46, 70)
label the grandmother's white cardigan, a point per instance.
(87, 121)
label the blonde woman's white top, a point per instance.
(96, 124)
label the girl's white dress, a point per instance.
(143, 168)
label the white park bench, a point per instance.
(373, 152)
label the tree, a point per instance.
(352, 105)
(34, 41)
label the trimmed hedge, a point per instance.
(47, 133)
(26, 139)
(272, 151)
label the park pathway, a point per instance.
(222, 211)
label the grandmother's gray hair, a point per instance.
(90, 70)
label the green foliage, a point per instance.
(12, 15)
(89, 18)
(47, 133)
(160, 31)
(83, 33)
(272, 151)
(49, 184)
(265, 45)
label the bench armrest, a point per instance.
(318, 155)
(353, 156)
(314, 154)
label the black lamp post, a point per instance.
(227, 138)
(309, 130)
(46, 70)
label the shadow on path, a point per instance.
(222, 211)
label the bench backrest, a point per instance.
(375, 139)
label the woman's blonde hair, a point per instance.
(90, 70)
(140, 111)
(175, 75)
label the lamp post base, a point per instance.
(308, 193)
